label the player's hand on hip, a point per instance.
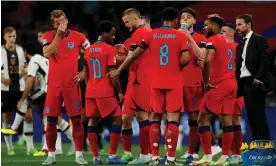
(6, 81)
(79, 77)
(113, 74)
(121, 98)
(209, 87)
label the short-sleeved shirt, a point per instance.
(38, 67)
(63, 65)
(166, 46)
(143, 63)
(99, 57)
(135, 40)
(222, 63)
(192, 73)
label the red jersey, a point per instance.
(143, 71)
(222, 63)
(99, 57)
(192, 73)
(166, 45)
(63, 65)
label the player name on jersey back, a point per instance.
(100, 57)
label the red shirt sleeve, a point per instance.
(203, 42)
(127, 43)
(146, 40)
(47, 38)
(184, 42)
(111, 59)
(211, 43)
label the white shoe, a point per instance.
(195, 156)
(216, 150)
(185, 155)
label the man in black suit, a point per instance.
(254, 80)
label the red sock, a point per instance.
(172, 138)
(205, 139)
(144, 137)
(78, 133)
(51, 136)
(155, 136)
(237, 142)
(127, 139)
(114, 139)
(227, 139)
(93, 140)
(193, 136)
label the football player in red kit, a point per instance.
(228, 30)
(169, 51)
(192, 78)
(138, 90)
(221, 88)
(61, 46)
(100, 97)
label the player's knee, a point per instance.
(59, 120)
(117, 120)
(52, 120)
(156, 116)
(142, 116)
(236, 120)
(193, 115)
(127, 120)
(226, 120)
(173, 116)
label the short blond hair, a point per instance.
(56, 14)
(8, 30)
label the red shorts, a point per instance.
(141, 98)
(71, 96)
(192, 98)
(220, 100)
(128, 103)
(238, 106)
(166, 100)
(102, 107)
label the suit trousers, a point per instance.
(254, 99)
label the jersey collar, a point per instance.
(166, 27)
(100, 41)
(142, 25)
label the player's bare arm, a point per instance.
(206, 69)
(116, 83)
(6, 81)
(185, 59)
(50, 49)
(199, 52)
(129, 60)
(27, 90)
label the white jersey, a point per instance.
(38, 67)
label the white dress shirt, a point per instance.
(244, 71)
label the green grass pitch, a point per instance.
(21, 158)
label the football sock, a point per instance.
(227, 139)
(193, 136)
(7, 138)
(19, 116)
(127, 139)
(29, 132)
(58, 141)
(144, 137)
(115, 136)
(171, 139)
(65, 128)
(93, 140)
(51, 134)
(205, 139)
(78, 134)
(155, 136)
(237, 142)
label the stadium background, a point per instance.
(83, 16)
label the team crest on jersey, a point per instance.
(70, 45)
(47, 109)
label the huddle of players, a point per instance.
(160, 62)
